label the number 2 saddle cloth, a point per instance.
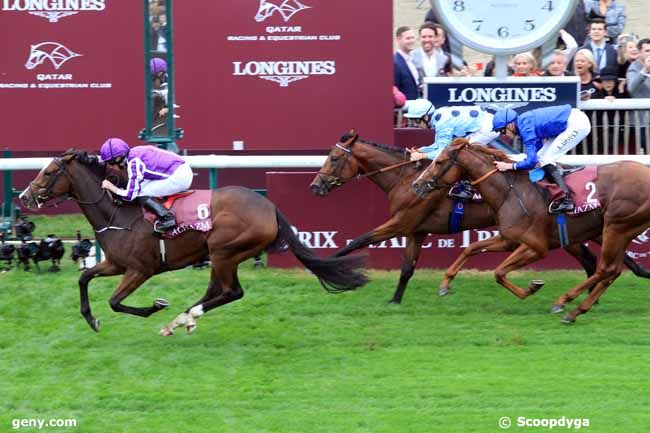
(583, 186)
(191, 210)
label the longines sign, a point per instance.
(513, 92)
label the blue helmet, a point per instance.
(503, 117)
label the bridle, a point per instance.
(334, 179)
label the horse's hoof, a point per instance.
(568, 319)
(166, 332)
(557, 308)
(190, 328)
(161, 303)
(535, 285)
(443, 291)
(94, 324)
(395, 301)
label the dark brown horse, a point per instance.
(389, 168)
(521, 209)
(244, 224)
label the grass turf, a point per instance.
(289, 357)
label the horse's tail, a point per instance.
(336, 274)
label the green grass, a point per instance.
(63, 226)
(289, 357)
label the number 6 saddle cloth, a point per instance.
(583, 186)
(191, 210)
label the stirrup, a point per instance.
(461, 194)
(164, 225)
(561, 206)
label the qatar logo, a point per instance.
(286, 9)
(56, 53)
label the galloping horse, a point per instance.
(244, 224)
(520, 206)
(389, 168)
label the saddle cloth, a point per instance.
(191, 209)
(583, 186)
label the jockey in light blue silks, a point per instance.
(472, 122)
(547, 133)
(152, 172)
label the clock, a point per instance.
(503, 27)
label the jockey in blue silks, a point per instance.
(152, 172)
(471, 122)
(547, 134)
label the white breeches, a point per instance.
(179, 181)
(577, 128)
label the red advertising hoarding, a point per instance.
(249, 74)
(327, 224)
(71, 73)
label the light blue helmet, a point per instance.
(418, 108)
(503, 117)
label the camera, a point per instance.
(27, 251)
(6, 252)
(81, 250)
(50, 248)
(24, 229)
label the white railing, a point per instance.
(275, 161)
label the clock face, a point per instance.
(503, 26)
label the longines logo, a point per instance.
(53, 10)
(284, 72)
(286, 9)
(56, 53)
(502, 95)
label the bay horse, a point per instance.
(244, 224)
(623, 189)
(390, 169)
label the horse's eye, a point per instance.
(335, 158)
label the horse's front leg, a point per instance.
(521, 257)
(493, 244)
(387, 230)
(102, 269)
(410, 260)
(132, 280)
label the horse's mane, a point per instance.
(385, 147)
(496, 154)
(98, 170)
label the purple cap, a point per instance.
(157, 65)
(113, 148)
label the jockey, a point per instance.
(547, 133)
(152, 172)
(450, 122)
(159, 92)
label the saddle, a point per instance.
(191, 210)
(582, 181)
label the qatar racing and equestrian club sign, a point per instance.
(281, 74)
(67, 77)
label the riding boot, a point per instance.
(562, 205)
(166, 218)
(462, 190)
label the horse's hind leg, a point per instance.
(493, 244)
(102, 269)
(411, 255)
(131, 281)
(224, 288)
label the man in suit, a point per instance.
(430, 59)
(604, 53)
(405, 74)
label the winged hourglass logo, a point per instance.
(54, 52)
(287, 9)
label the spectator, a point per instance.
(604, 53)
(570, 45)
(584, 68)
(431, 17)
(557, 67)
(612, 12)
(525, 66)
(627, 53)
(398, 98)
(429, 58)
(611, 87)
(638, 82)
(405, 73)
(577, 26)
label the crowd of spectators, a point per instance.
(593, 46)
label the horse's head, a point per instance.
(57, 180)
(444, 168)
(339, 167)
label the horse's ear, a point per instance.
(354, 136)
(459, 143)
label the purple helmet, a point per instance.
(113, 148)
(157, 65)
